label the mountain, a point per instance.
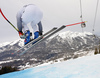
(65, 45)
(83, 67)
(11, 45)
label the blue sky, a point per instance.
(56, 13)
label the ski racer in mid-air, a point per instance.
(29, 14)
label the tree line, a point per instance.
(7, 69)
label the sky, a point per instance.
(55, 14)
(83, 67)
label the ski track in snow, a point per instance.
(83, 67)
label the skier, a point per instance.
(29, 14)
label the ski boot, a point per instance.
(27, 39)
(36, 35)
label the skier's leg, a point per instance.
(24, 27)
(36, 31)
(40, 28)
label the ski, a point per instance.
(49, 35)
(33, 41)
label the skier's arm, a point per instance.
(19, 21)
(19, 25)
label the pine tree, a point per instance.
(99, 49)
(7, 69)
(96, 51)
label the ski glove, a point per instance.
(22, 36)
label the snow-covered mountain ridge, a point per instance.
(11, 45)
(4, 44)
(74, 34)
(20, 41)
(67, 34)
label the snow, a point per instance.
(71, 34)
(9, 61)
(4, 44)
(19, 41)
(83, 67)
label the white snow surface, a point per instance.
(83, 67)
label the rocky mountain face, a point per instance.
(65, 45)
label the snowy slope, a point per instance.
(84, 67)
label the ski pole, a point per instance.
(8, 20)
(76, 23)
